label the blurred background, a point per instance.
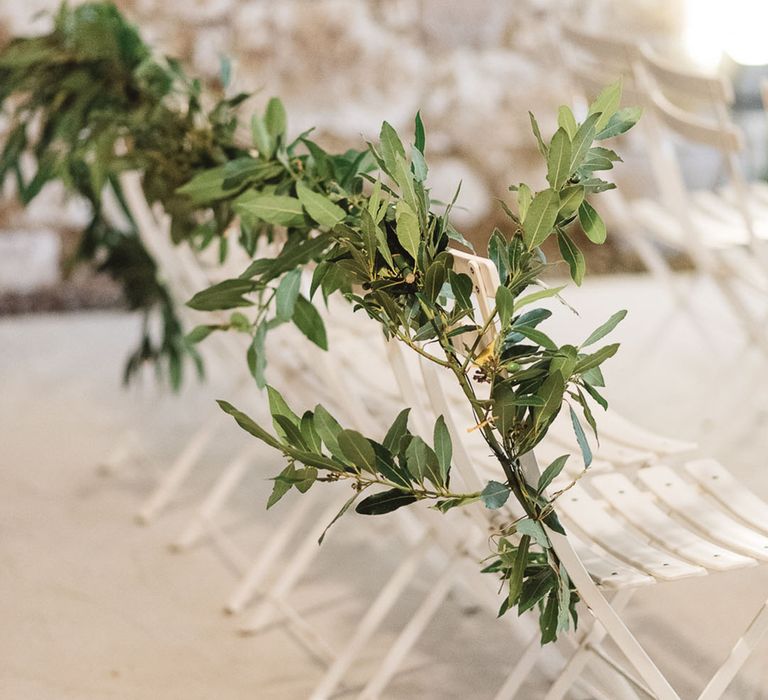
(343, 66)
(93, 607)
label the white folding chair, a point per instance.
(662, 525)
(719, 231)
(463, 539)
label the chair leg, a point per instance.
(411, 632)
(580, 658)
(372, 619)
(738, 656)
(217, 497)
(292, 573)
(609, 618)
(176, 474)
(259, 569)
(120, 453)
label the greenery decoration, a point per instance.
(385, 248)
(89, 101)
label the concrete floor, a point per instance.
(93, 606)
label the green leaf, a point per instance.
(504, 407)
(282, 485)
(257, 356)
(422, 462)
(593, 225)
(407, 228)
(384, 502)
(570, 199)
(289, 432)
(538, 296)
(391, 146)
(319, 207)
(551, 390)
(541, 217)
(524, 197)
(435, 279)
(595, 394)
(328, 429)
(518, 570)
(296, 251)
(563, 601)
(537, 134)
(200, 333)
(594, 376)
(559, 159)
(606, 328)
(420, 139)
(582, 141)
(419, 165)
(286, 295)
(573, 256)
(596, 358)
(305, 478)
(548, 620)
(389, 469)
(278, 407)
(551, 473)
(461, 285)
(249, 425)
(535, 531)
(505, 305)
(272, 208)
(275, 119)
(566, 120)
(581, 438)
(358, 450)
(310, 323)
(206, 186)
(449, 503)
(309, 432)
(495, 495)
(620, 122)
(224, 295)
(341, 512)
(606, 104)
(443, 448)
(498, 253)
(261, 137)
(537, 337)
(396, 431)
(404, 178)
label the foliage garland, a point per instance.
(384, 248)
(89, 100)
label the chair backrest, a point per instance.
(178, 267)
(595, 60)
(681, 98)
(696, 109)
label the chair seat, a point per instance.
(688, 503)
(641, 510)
(662, 225)
(590, 516)
(718, 483)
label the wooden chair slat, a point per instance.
(590, 516)
(688, 503)
(640, 509)
(718, 482)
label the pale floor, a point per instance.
(93, 606)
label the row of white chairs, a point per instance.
(607, 549)
(723, 231)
